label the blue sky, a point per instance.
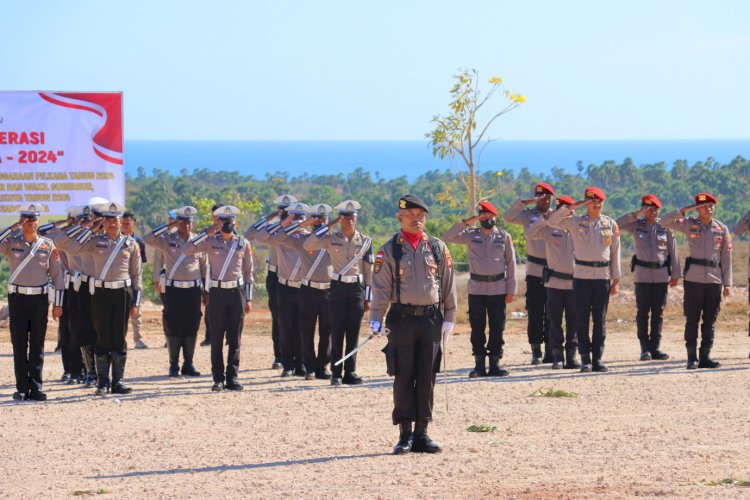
(348, 70)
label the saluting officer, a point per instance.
(115, 288)
(536, 259)
(272, 278)
(136, 322)
(743, 225)
(351, 260)
(230, 259)
(287, 291)
(33, 263)
(707, 270)
(596, 245)
(183, 282)
(314, 298)
(413, 282)
(492, 284)
(558, 280)
(656, 264)
(158, 277)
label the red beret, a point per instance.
(595, 193)
(705, 198)
(565, 200)
(651, 199)
(543, 188)
(486, 206)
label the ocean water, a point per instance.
(390, 159)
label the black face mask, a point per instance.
(228, 227)
(487, 224)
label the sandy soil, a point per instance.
(643, 429)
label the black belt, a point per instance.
(650, 265)
(415, 310)
(487, 277)
(536, 260)
(561, 276)
(591, 263)
(703, 262)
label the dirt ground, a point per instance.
(644, 429)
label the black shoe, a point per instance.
(586, 368)
(206, 342)
(323, 374)
(300, 371)
(692, 365)
(90, 380)
(572, 365)
(233, 385)
(65, 377)
(71, 381)
(101, 391)
(404, 445)
(557, 365)
(287, 373)
(480, 369)
(495, 369)
(708, 363)
(20, 396)
(548, 357)
(335, 380)
(120, 388)
(351, 378)
(599, 367)
(218, 387)
(423, 444)
(190, 371)
(310, 376)
(659, 355)
(276, 364)
(645, 356)
(174, 371)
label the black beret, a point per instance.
(411, 201)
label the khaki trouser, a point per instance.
(135, 323)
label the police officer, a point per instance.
(287, 291)
(596, 245)
(743, 225)
(158, 276)
(182, 283)
(413, 282)
(536, 259)
(33, 263)
(128, 229)
(351, 260)
(230, 259)
(272, 279)
(708, 269)
(656, 264)
(492, 284)
(314, 298)
(115, 288)
(558, 280)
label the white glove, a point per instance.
(446, 330)
(376, 327)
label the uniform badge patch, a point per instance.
(378, 261)
(448, 258)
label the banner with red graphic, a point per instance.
(59, 149)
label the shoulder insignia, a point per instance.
(55, 254)
(379, 261)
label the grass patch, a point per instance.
(481, 428)
(553, 393)
(89, 493)
(730, 481)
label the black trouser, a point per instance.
(650, 299)
(80, 319)
(536, 298)
(287, 307)
(207, 323)
(71, 344)
(28, 327)
(182, 311)
(315, 306)
(592, 299)
(272, 283)
(347, 309)
(164, 322)
(482, 308)
(561, 302)
(110, 310)
(413, 357)
(700, 299)
(227, 309)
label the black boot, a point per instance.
(405, 440)
(495, 369)
(557, 359)
(536, 354)
(549, 355)
(479, 367)
(118, 372)
(89, 363)
(571, 360)
(706, 361)
(586, 363)
(188, 351)
(422, 442)
(102, 374)
(654, 350)
(692, 355)
(173, 346)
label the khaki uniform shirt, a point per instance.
(489, 253)
(170, 247)
(287, 258)
(296, 241)
(251, 234)
(419, 278)
(653, 243)
(594, 240)
(525, 217)
(217, 249)
(43, 267)
(743, 226)
(342, 251)
(559, 246)
(710, 241)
